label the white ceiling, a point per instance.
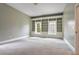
(32, 9)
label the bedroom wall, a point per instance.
(69, 23)
(13, 23)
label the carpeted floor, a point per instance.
(36, 46)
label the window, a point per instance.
(52, 27)
(37, 27)
(33, 26)
(59, 24)
(45, 25)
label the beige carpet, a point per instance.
(36, 46)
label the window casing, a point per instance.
(38, 27)
(50, 25)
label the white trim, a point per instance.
(14, 39)
(52, 32)
(70, 46)
(48, 17)
(36, 27)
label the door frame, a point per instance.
(76, 31)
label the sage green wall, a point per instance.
(69, 23)
(13, 23)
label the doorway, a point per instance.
(77, 29)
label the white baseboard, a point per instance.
(14, 39)
(71, 47)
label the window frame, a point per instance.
(36, 31)
(52, 33)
